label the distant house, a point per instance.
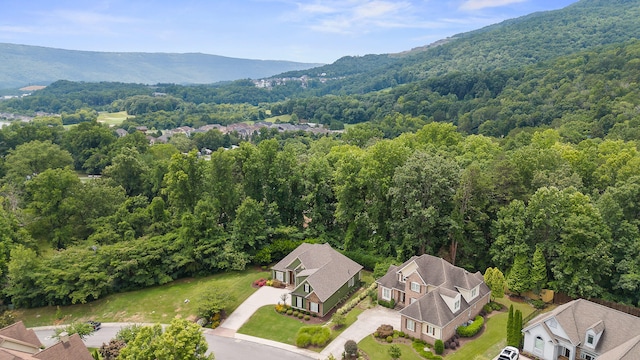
(121, 132)
(582, 329)
(319, 275)
(19, 343)
(435, 296)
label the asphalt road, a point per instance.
(224, 348)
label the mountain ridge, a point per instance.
(22, 65)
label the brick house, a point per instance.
(435, 297)
(19, 343)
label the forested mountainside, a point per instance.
(23, 65)
(482, 167)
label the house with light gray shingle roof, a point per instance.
(319, 276)
(435, 297)
(19, 343)
(582, 329)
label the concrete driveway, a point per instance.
(366, 324)
(266, 295)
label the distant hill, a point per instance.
(22, 65)
(511, 44)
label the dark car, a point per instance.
(96, 325)
(509, 353)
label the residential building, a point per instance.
(435, 297)
(19, 343)
(582, 329)
(319, 277)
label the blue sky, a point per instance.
(319, 31)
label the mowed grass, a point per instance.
(112, 119)
(282, 118)
(380, 351)
(494, 338)
(266, 323)
(157, 304)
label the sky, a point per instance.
(312, 31)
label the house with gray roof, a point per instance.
(319, 277)
(435, 297)
(582, 329)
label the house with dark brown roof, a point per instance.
(582, 329)
(19, 343)
(319, 276)
(435, 297)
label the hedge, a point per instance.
(471, 330)
(313, 335)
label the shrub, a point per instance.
(390, 339)
(301, 315)
(388, 304)
(307, 317)
(439, 347)
(313, 335)
(538, 304)
(495, 305)
(289, 312)
(487, 308)
(472, 329)
(351, 348)
(303, 340)
(338, 320)
(419, 346)
(295, 313)
(384, 330)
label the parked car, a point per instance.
(96, 324)
(509, 353)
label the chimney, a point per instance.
(64, 337)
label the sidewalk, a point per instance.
(266, 295)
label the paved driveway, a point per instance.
(366, 324)
(266, 295)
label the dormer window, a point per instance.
(456, 305)
(590, 339)
(474, 292)
(306, 288)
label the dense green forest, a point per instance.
(481, 165)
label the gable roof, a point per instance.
(19, 332)
(326, 269)
(626, 351)
(578, 316)
(72, 348)
(446, 278)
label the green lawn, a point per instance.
(494, 337)
(282, 118)
(112, 119)
(155, 304)
(266, 323)
(380, 351)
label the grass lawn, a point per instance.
(266, 323)
(282, 118)
(112, 119)
(154, 304)
(380, 351)
(494, 338)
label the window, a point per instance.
(456, 305)
(386, 294)
(588, 356)
(352, 281)
(415, 287)
(474, 292)
(565, 352)
(313, 307)
(589, 339)
(280, 276)
(539, 345)
(299, 302)
(428, 330)
(307, 288)
(411, 325)
(552, 323)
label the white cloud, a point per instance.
(481, 4)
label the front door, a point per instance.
(402, 297)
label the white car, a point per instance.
(509, 353)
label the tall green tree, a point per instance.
(184, 183)
(30, 159)
(519, 279)
(422, 202)
(538, 271)
(494, 278)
